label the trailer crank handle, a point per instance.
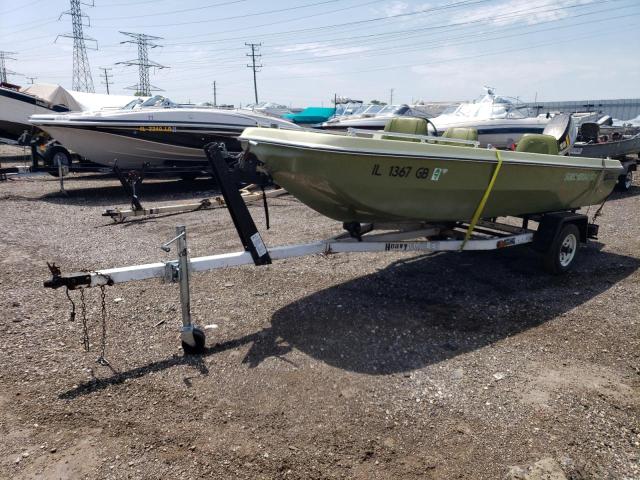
(166, 247)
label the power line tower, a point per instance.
(254, 49)
(4, 71)
(31, 79)
(215, 94)
(82, 80)
(144, 42)
(107, 76)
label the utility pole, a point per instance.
(254, 49)
(391, 97)
(215, 96)
(31, 79)
(144, 42)
(82, 80)
(107, 77)
(3, 67)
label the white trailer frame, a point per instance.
(403, 238)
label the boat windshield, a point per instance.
(488, 106)
(158, 101)
(390, 110)
(133, 104)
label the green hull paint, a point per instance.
(366, 180)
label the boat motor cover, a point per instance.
(563, 129)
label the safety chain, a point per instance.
(103, 339)
(85, 328)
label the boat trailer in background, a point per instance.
(557, 236)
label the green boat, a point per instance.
(405, 175)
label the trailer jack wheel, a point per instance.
(193, 340)
(563, 251)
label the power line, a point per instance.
(82, 80)
(3, 67)
(144, 42)
(254, 47)
(107, 76)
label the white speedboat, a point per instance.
(158, 133)
(500, 121)
(370, 117)
(18, 104)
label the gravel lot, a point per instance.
(472, 366)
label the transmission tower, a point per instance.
(144, 42)
(82, 80)
(254, 49)
(3, 68)
(31, 79)
(107, 76)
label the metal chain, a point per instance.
(85, 329)
(103, 341)
(72, 314)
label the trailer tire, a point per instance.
(57, 155)
(198, 349)
(563, 251)
(625, 181)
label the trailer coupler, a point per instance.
(74, 280)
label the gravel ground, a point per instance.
(473, 365)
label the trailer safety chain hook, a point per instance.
(85, 329)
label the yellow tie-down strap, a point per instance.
(485, 197)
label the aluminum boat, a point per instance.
(158, 133)
(399, 177)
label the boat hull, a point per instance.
(354, 179)
(611, 149)
(156, 137)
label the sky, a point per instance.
(436, 50)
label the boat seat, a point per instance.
(460, 133)
(538, 143)
(411, 126)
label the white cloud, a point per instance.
(522, 11)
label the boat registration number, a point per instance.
(156, 128)
(397, 171)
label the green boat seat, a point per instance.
(538, 143)
(460, 133)
(411, 126)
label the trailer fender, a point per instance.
(551, 224)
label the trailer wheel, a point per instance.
(198, 349)
(625, 181)
(58, 156)
(563, 251)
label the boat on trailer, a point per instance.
(404, 175)
(158, 133)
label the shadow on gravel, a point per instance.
(425, 310)
(152, 191)
(415, 312)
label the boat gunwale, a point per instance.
(346, 151)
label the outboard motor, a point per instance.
(563, 129)
(589, 132)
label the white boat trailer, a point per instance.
(558, 236)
